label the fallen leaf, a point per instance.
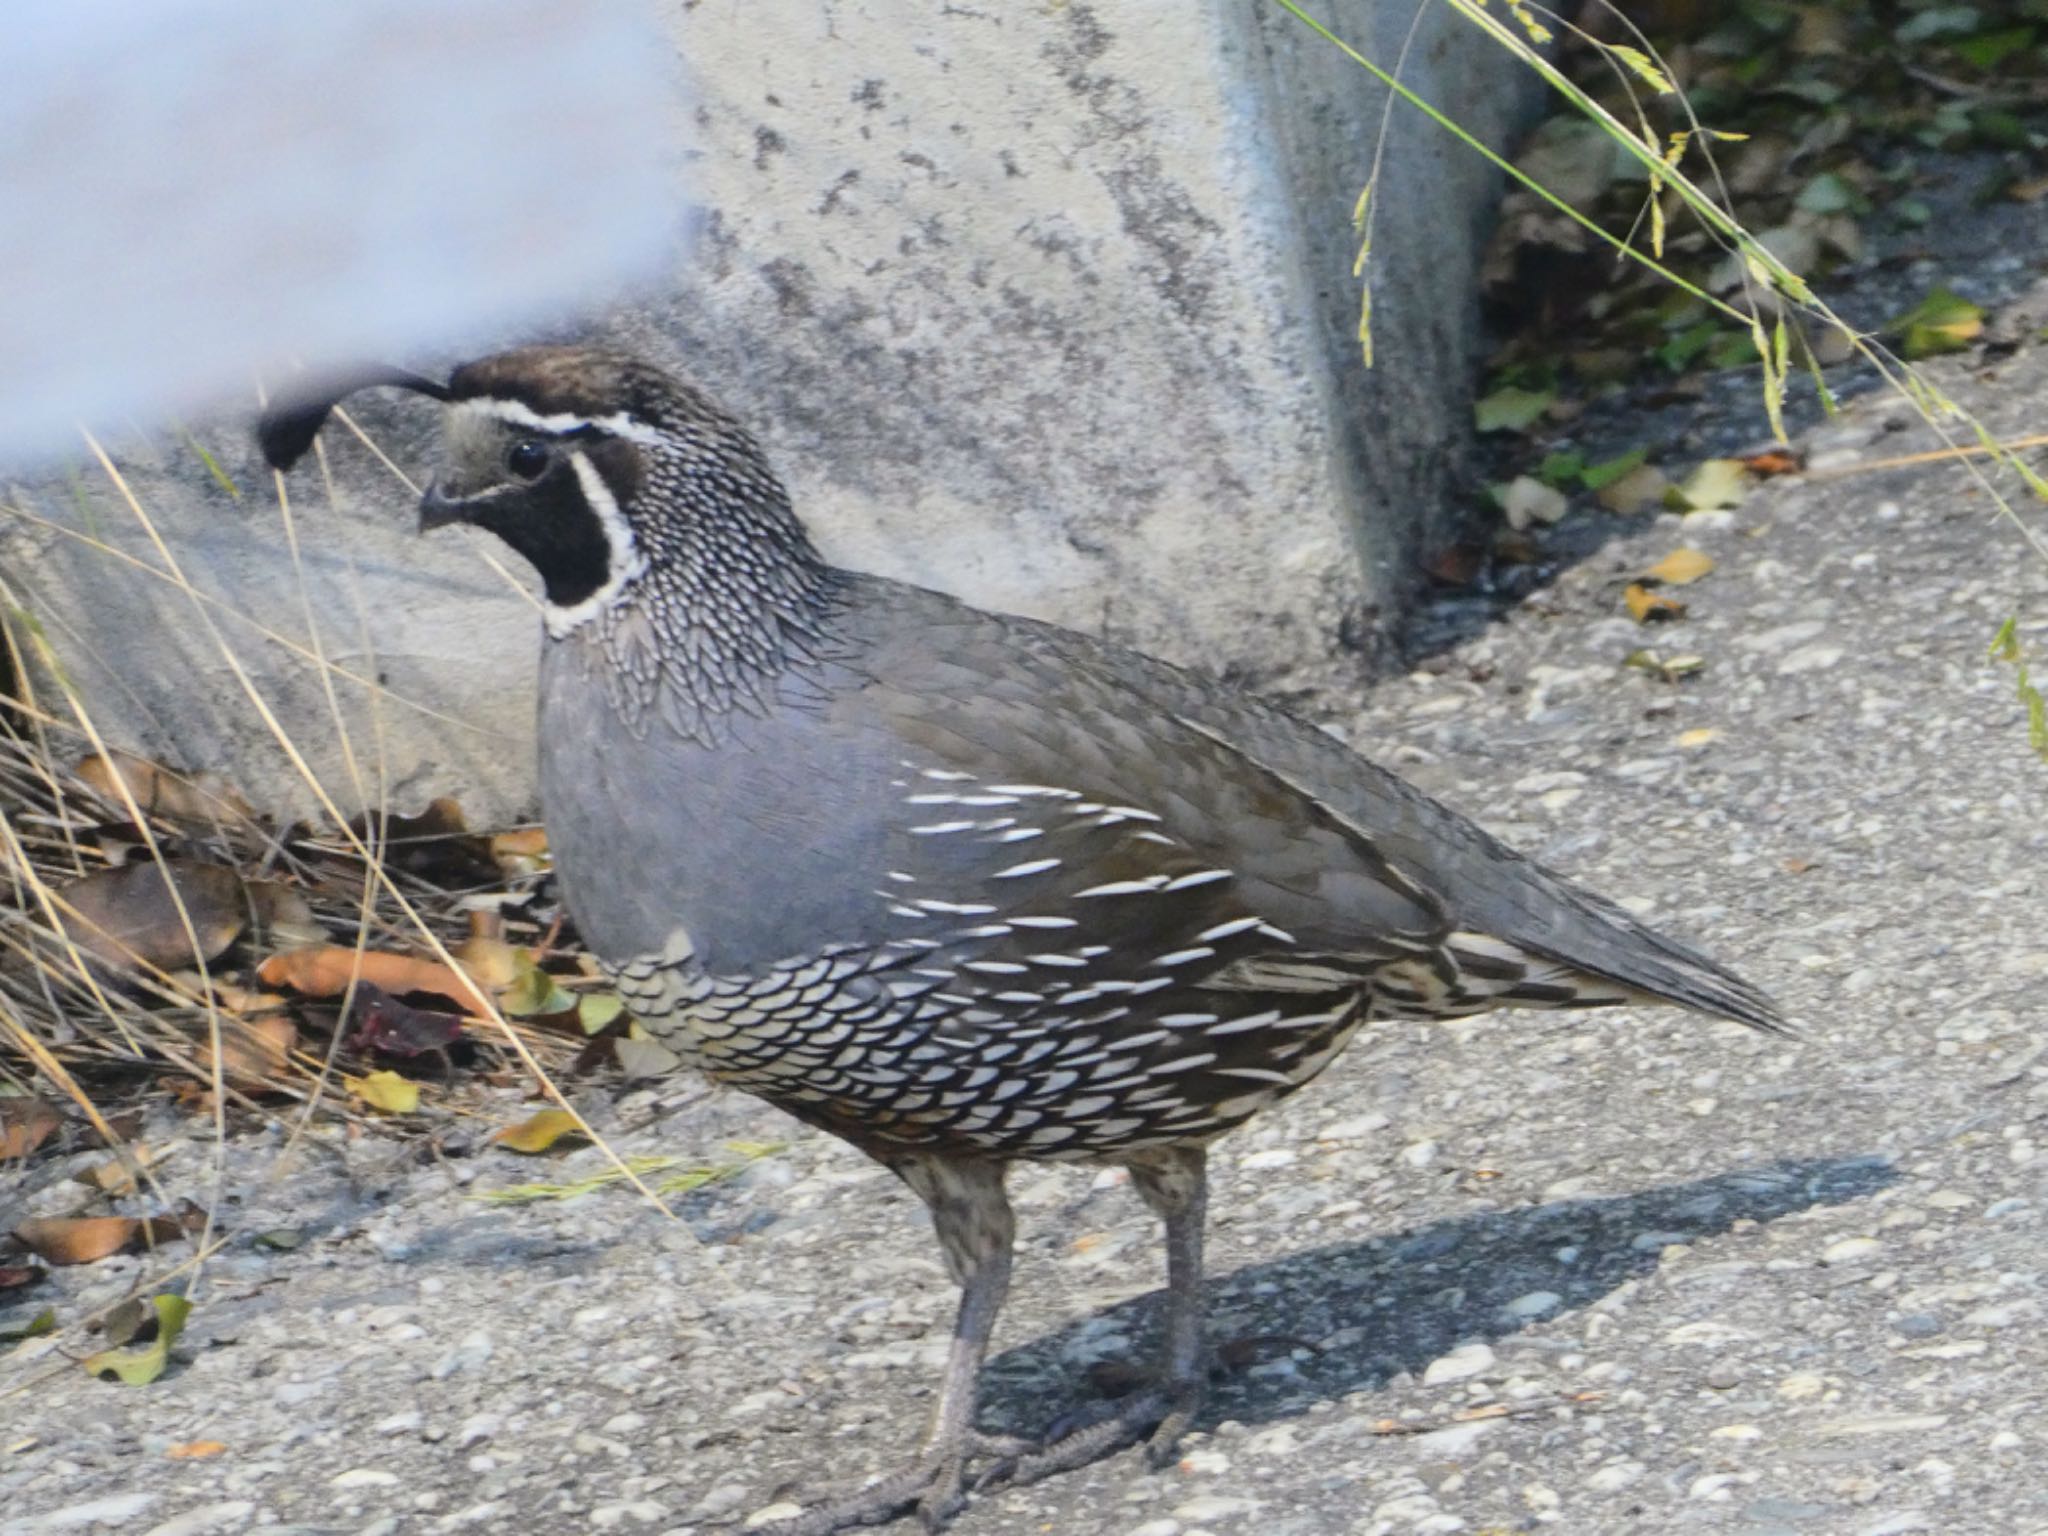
(1772, 461)
(380, 1022)
(117, 1175)
(88, 1239)
(490, 962)
(1714, 485)
(325, 970)
(25, 1124)
(1643, 486)
(386, 1091)
(158, 791)
(538, 1132)
(281, 1239)
(43, 1322)
(1647, 607)
(1797, 866)
(1680, 568)
(1511, 409)
(139, 1367)
(132, 915)
(535, 994)
(196, 1450)
(522, 851)
(16, 1277)
(1697, 737)
(1944, 321)
(645, 1058)
(1597, 477)
(598, 1011)
(1667, 669)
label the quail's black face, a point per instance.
(596, 468)
(554, 488)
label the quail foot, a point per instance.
(959, 888)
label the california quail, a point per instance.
(960, 888)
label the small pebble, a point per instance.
(1466, 1361)
(364, 1477)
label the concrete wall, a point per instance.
(1046, 305)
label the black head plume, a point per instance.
(288, 427)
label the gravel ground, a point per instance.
(1604, 1272)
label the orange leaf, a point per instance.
(196, 1450)
(25, 1124)
(1772, 461)
(1647, 607)
(324, 970)
(88, 1239)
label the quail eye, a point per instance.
(528, 458)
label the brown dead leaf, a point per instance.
(131, 915)
(1797, 866)
(88, 1239)
(522, 851)
(325, 970)
(19, 1277)
(117, 1175)
(1647, 607)
(25, 1124)
(202, 797)
(1680, 568)
(196, 1450)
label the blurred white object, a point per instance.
(195, 191)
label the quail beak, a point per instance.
(439, 511)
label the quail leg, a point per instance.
(1174, 1182)
(975, 1228)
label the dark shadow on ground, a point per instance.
(1414, 1296)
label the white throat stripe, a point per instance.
(626, 563)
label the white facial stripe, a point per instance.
(519, 414)
(627, 564)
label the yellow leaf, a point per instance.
(139, 1367)
(1715, 484)
(536, 1133)
(1698, 737)
(1680, 568)
(387, 1091)
(1647, 607)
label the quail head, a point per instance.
(964, 889)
